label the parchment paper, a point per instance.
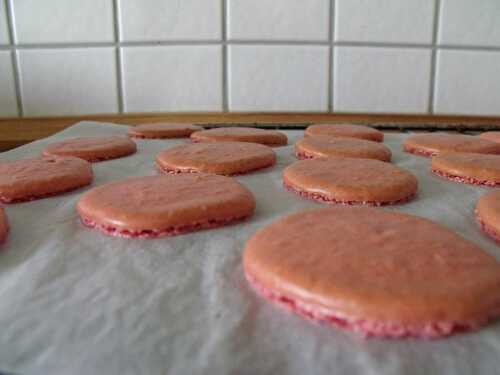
(74, 301)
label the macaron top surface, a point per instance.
(92, 148)
(28, 178)
(349, 179)
(376, 264)
(163, 130)
(325, 146)
(160, 202)
(345, 130)
(241, 134)
(433, 144)
(224, 158)
(484, 167)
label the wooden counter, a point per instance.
(17, 131)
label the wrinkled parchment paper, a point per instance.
(74, 301)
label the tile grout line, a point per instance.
(225, 85)
(118, 55)
(14, 58)
(331, 52)
(432, 83)
(248, 42)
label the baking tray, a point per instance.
(74, 301)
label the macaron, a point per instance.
(350, 181)
(93, 149)
(326, 146)
(435, 143)
(468, 168)
(488, 214)
(491, 136)
(4, 225)
(162, 131)
(345, 130)
(165, 205)
(241, 134)
(29, 179)
(224, 158)
(376, 272)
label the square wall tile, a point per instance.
(467, 82)
(63, 21)
(156, 20)
(8, 102)
(381, 79)
(68, 81)
(4, 29)
(278, 78)
(278, 19)
(465, 22)
(172, 78)
(394, 21)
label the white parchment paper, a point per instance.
(74, 301)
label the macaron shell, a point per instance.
(491, 136)
(488, 213)
(241, 134)
(345, 130)
(326, 146)
(29, 179)
(4, 225)
(93, 148)
(162, 130)
(433, 144)
(225, 158)
(471, 168)
(383, 267)
(348, 180)
(165, 201)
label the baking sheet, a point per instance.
(74, 301)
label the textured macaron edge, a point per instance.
(164, 232)
(365, 326)
(276, 139)
(172, 170)
(29, 198)
(486, 228)
(418, 151)
(464, 180)
(105, 158)
(323, 198)
(304, 155)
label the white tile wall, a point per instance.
(171, 19)
(465, 22)
(8, 103)
(4, 31)
(68, 81)
(278, 19)
(278, 78)
(468, 82)
(57, 21)
(381, 79)
(403, 56)
(172, 78)
(395, 21)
